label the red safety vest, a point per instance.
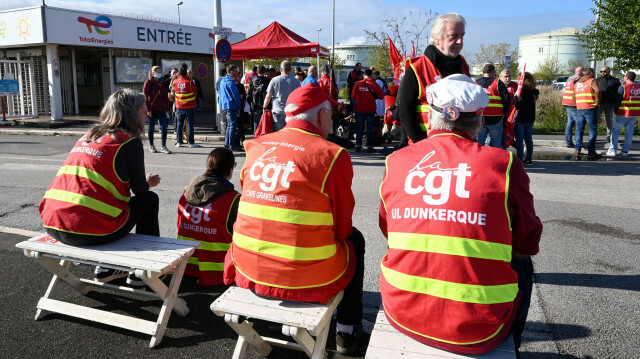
(512, 87)
(208, 225)
(630, 106)
(185, 91)
(495, 107)
(569, 88)
(585, 96)
(87, 196)
(447, 277)
(427, 74)
(283, 236)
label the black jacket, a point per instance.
(526, 105)
(608, 88)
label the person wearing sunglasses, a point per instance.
(608, 89)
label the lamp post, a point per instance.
(319, 50)
(180, 3)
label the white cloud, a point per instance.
(354, 40)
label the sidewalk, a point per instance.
(205, 123)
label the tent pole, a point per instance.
(217, 21)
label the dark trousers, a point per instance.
(143, 215)
(350, 308)
(524, 268)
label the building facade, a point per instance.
(69, 62)
(563, 44)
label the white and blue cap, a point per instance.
(457, 96)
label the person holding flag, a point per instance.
(513, 113)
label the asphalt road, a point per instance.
(586, 298)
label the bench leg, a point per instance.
(170, 300)
(313, 348)
(246, 335)
(60, 272)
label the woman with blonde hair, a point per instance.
(89, 201)
(526, 106)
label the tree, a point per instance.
(338, 63)
(495, 54)
(549, 69)
(571, 65)
(268, 63)
(402, 32)
(615, 34)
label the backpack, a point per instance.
(259, 92)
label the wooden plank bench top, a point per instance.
(299, 320)
(148, 257)
(386, 342)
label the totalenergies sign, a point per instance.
(100, 23)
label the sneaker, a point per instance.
(371, 150)
(152, 149)
(625, 154)
(358, 149)
(134, 281)
(194, 145)
(165, 150)
(528, 162)
(104, 275)
(609, 153)
(347, 343)
(594, 156)
(178, 144)
(571, 145)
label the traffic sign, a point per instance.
(222, 31)
(202, 71)
(223, 51)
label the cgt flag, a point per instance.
(396, 60)
(513, 113)
(413, 50)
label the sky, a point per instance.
(488, 22)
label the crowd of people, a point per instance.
(457, 274)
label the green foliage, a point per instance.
(338, 63)
(379, 58)
(344, 93)
(550, 114)
(571, 65)
(616, 33)
(548, 70)
(268, 63)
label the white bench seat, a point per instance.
(386, 343)
(149, 257)
(300, 320)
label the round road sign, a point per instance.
(223, 50)
(202, 71)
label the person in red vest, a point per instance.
(441, 59)
(587, 99)
(89, 201)
(512, 86)
(461, 224)
(627, 108)
(293, 238)
(365, 93)
(570, 106)
(498, 108)
(207, 211)
(185, 99)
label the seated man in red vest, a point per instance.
(293, 238)
(457, 275)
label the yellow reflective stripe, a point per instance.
(179, 95)
(300, 130)
(211, 266)
(423, 126)
(326, 176)
(193, 260)
(208, 246)
(495, 98)
(442, 340)
(285, 215)
(93, 177)
(459, 292)
(422, 108)
(586, 101)
(455, 246)
(283, 250)
(494, 105)
(83, 200)
(506, 189)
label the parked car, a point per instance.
(559, 82)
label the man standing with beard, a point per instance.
(441, 59)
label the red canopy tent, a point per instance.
(275, 41)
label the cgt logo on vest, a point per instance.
(268, 171)
(418, 181)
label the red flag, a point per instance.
(513, 113)
(396, 59)
(413, 50)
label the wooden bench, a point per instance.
(300, 320)
(149, 257)
(386, 342)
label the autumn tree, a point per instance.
(570, 67)
(616, 33)
(495, 54)
(548, 70)
(402, 32)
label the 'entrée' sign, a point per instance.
(164, 36)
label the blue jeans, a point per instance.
(161, 116)
(257, 115)
(361, 117)
(231, 135)
(628, 123)
(571, 122)
(495, 131)
(190, 115)
(524, 135)
(588, 117)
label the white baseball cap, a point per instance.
(457, 96)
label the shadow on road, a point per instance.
(590, 168)
(624, 282)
